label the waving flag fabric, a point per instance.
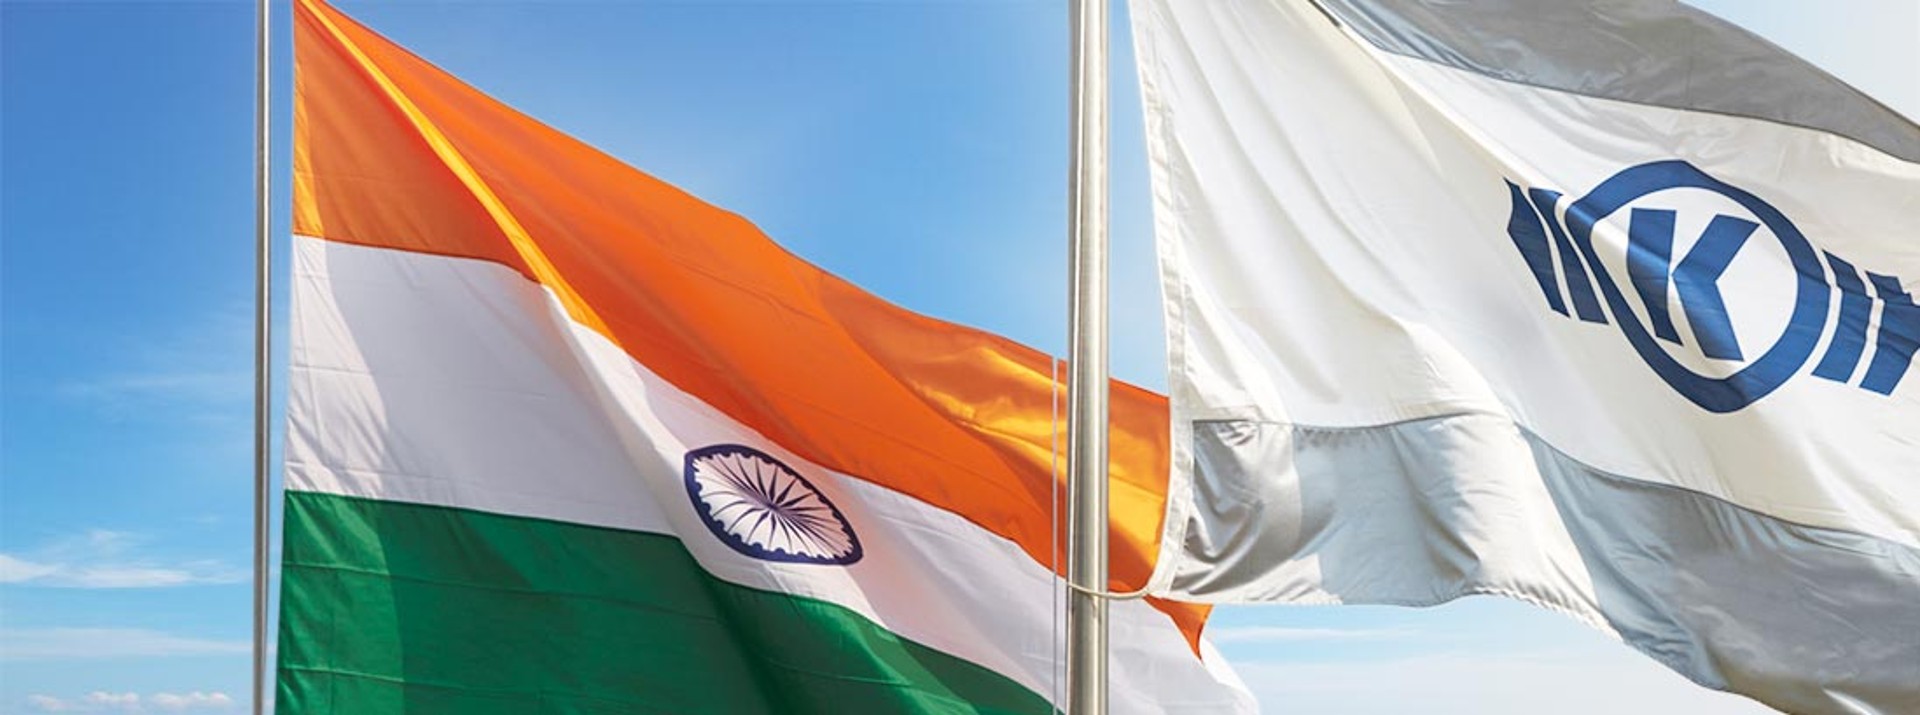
(1605, 305)
(563, 438)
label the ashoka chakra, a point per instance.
(762, 508)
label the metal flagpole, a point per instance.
(1087, 363)
(262, 316)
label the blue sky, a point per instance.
(916, 148)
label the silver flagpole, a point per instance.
(1087, 363)
(262, 317)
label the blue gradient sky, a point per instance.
(916, 148)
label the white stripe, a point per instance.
(460, 383)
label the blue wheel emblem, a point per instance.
(1763, 374)
(1739, 369)
(762, 508)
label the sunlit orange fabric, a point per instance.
(390, 151)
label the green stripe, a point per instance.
(400, 608)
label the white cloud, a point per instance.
(193, 700)
(125, 392)
(22, 644)
(1279, 634)
(96, 701)
(101, 558)
(1560, 682)
(101, 701)
(197, 372)
(129, 702)
(49, 704)
(144, 577)
(17, 570)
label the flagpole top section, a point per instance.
(262, 342)
(1087, 391)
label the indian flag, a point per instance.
(563, 438)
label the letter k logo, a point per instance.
(1697, 278)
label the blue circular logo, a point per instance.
(760, 507)
(1763, 374)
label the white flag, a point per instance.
(1605, 306)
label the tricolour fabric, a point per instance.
(1605, 306)
(565, 439)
